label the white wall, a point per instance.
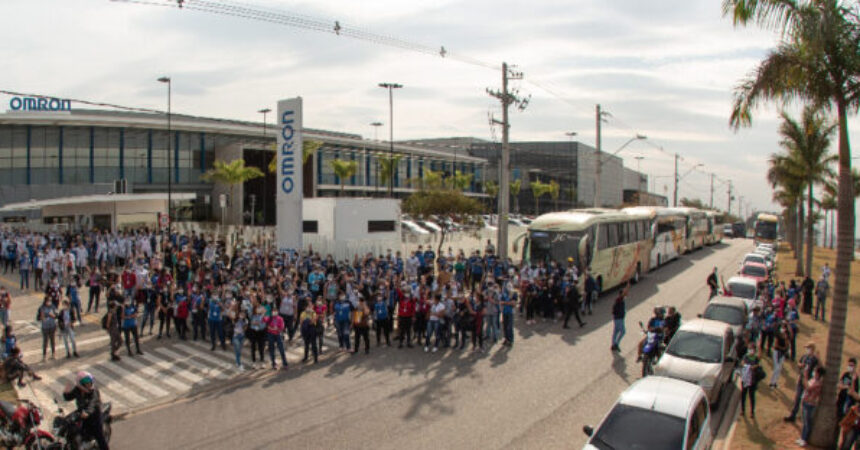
(352, 214)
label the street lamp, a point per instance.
(391, 87)
(264, 111)
(169, 83)
(376, 126)
(597, 201)
(265, 205)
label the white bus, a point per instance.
(615, 245)
(715, 228)
(668, 228)
(696, 229)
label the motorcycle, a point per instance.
(68, 428)
(19, 426)
(651, 351)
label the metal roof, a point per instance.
(101, 198)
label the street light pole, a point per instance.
(169, 164)
(376, 126)
(571, 135)
(391, 87)
(265, 204)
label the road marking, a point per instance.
(156, 375)
(107, 382)
(172, 369)
(79, 344)
(207, 371)
(125, 375)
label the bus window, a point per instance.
(603, 237)
(612, 236)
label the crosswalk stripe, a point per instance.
(108, 383)
(208, 371)
(125, 375)
(201, 351)
(156, 375)
(172, 370)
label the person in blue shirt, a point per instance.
(216, 323)
(129, 326)
(315, 281)
(382, 320)
(508, 303)
(342, 315)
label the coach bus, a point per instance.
(696, 229)
(615, 245)
(766, 229)
(667, 232)
(715, 228)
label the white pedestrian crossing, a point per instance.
(171, 370)
(155, 375)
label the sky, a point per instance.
(664, 69)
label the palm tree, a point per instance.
(816, 61)
(783, 176)
(809, 159)
(461, 181)
(231, 173)
(828, 204)
(539, 189)
(516, 186)
(554, 192)
(309, 148)
(491, 188)
(387, 171)
(343, 169)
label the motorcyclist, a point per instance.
(655, 325)
(88, 403)
(673, 322)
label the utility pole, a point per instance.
(675, 196)
(729, 207)
(507, 98)
(712, 191)
(598, 118)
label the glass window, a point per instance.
(159, 157)
(612, 236)
(5, 154)
(696, 346)
(603, 237)
(136, 163)
(19, 155)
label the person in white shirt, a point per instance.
(437, 312)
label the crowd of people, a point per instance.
(195, 289)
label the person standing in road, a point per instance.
(713, 283)
(24, 265)
(111, 324)
(66, 323)
(619, 311)
(308, 329)
(239, 327)
(571, 303)
(95, 283)
(275, 333)
(342, 313)
(360, 321)
(48, 317)
(509, 304)
(129, 326)
(287, 310)
(257, 333)
(216, 322)
(381, 321)
(405, 311)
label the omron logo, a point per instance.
(39, 104)
(288, 163)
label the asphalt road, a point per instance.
(538, 394)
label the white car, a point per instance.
(702, 352)
(412, 227)
(730, 310)
(655, 413)
(429, 226)
(746, 289)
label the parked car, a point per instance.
(754, 271)
(429, 226)
(746, 289)
(730, 310)
(756, 258)
(701, 352)
(409, 226)
(655, 413)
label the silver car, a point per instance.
(701, 352)
(731, 310)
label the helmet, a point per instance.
(85, 379)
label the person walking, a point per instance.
(129, 326)
(66, 324)
(360, 321)
(619, 311)
(811, 399)
(749, 377)
(48, 317)
(275, 334)
(571, 303)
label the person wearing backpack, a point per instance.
(47, 315)
(66, 324)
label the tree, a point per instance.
(387, 171)
(571, 191)
(309, 148)
(554, 192)
(441, 201)
(817, 61)
(516, 186)
(789, 193)
(491, 188)
(343, 169)
(692, 203)
(809, 159)
(461, 181)
(231, 173)
(539, 189)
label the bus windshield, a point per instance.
(765, 230)
(555, 246)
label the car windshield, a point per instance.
(754, 271)
(742, 290)
(629, 427)
(696, 346)
(724, 313)
(755, 259)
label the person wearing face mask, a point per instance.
(849, 390)
(342, 314)
(808, 363)
(88, 403)
(780, 351)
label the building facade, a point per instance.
(50, 154)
